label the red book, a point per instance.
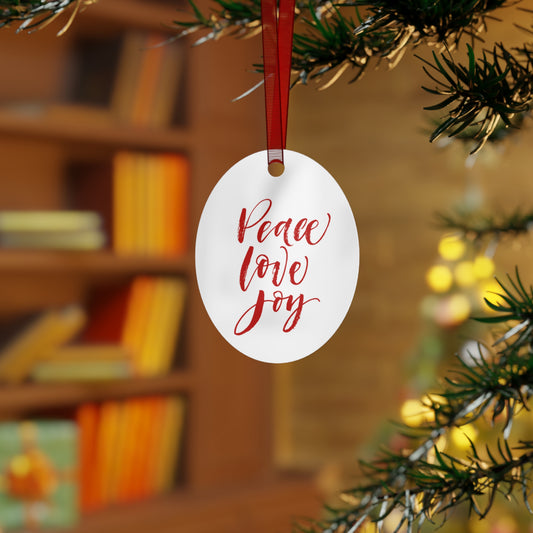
(107, 312)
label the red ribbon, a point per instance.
(277, 54)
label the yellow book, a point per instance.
(42, 337)
(124, 216)
(172, 311)
(170, 444)
(140, 188)
(154, 329)
(49, 221)
(157, 205)
(89, 352)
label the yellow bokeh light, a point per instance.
(489, 290)
(439, 278)
(459, 308)
(415, 413)
(460, 436)
(483, 267)
(451, 247)
(464, 274)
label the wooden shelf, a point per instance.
(73, 125)
(148, 14)
(262, 507)
(16, 399)
(89, 264)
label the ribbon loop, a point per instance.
(277, 54)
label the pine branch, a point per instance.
(32, 14)
(477, 227)
(333, 40)
(493, 89)
(423, 482)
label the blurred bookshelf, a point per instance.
(100, 191)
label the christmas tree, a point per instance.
(467, 446)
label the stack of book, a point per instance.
(39, 465)
(150, 199)
(60, 230)
(126, 331)
(144, 317)
(129, 449)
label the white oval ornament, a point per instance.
(277, 258)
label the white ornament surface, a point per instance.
(277, 258)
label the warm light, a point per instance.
(415, 413)
(439, 278)
(459, 308)
(464, 274)
(461, 435)
(489, 290)
(451, 247)
(483, 267)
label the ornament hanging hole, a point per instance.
(276, 169)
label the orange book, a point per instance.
(137, 318)
(177, 203)
(133, 454)
(87, 417)
(106, 451)
(125, 451)
(148, 423)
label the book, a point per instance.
(50, 330)
(144, 318)
(87, 418)
(169, 450)
(68, 371)
(54, 240)
(66, 230)
(129, 449)
(39, 461)
(48, 221)
(149, 78)
(150, 203)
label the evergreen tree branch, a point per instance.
(32, 14)
(335, 35)
(478, 227)
(483, 94)
(424, 483)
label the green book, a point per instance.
(38, 469)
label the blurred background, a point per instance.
(122, 408)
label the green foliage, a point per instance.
(481, 100)
(32, 14)
(479, 95)
(421, 482)
(477, 226)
